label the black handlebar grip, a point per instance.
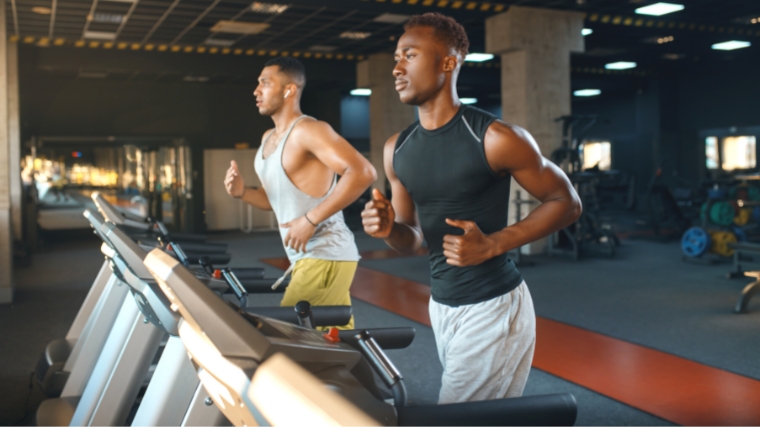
(204, 248)
(215, 259)
(263, 286)
(324, 315)
(542, 410)
(386, 338)
(249, 272)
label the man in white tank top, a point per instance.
(298, 164)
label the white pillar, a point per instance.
(6, 239)
(535, 46)
(388, 115)
(14, 141)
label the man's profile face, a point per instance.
(270, 93)
(418, 72)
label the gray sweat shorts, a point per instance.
(486, 349)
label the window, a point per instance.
(597, 154)
(738, 152)
(711, 152)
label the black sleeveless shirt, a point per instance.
(447, 175)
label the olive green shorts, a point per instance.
(321, 282)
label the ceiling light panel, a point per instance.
(322, 48)
(478, 57)
(106, 18)
(659, 9)
(392, 18)
(268, 8)
(587, 92)
(239, 27)
(731, 45)
(620, 65)
(99, 35)
(219, 42)
(41, 10)
(354, 35)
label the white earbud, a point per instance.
(287, 92)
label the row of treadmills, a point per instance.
(164, 338)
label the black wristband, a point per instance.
(307, 219)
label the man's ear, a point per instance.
(292, 88)
(450, 63)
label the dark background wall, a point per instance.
(655, 121)
(652, 121)
(82, 92)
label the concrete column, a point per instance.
(6, 240)
(535, 46)
(14, 141)
(388, 115)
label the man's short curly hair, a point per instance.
(444, 27)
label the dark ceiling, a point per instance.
(317, 26)
(318, 29)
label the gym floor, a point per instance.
(639, 339)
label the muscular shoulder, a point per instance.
(309, 126)
(509, 146)
(390, 143)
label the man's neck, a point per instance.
(439, 110)
(283, 118)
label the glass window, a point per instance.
(597, 154)
(738, 152)
(711, 152)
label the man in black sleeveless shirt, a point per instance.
(450, 175)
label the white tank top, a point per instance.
(332, 239)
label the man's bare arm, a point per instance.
(394, 221)
(513, 150)
(233, 183)
(332, 150)
(257, 198)
(510, 149)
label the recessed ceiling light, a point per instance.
(361, 92)
(663, 40)
(219, 42)
(99, 35)
(322, 48)
(620, 65)
(42, 10)
(659, 9)
(109, 18)
(354, 35)
(392, 18)
(755, 20)
(731, 45)
(237, 27)
(587, 92)
(468, 100)
(269, 8)
(586, 31)
(478, 57)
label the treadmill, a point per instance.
(228, 346)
